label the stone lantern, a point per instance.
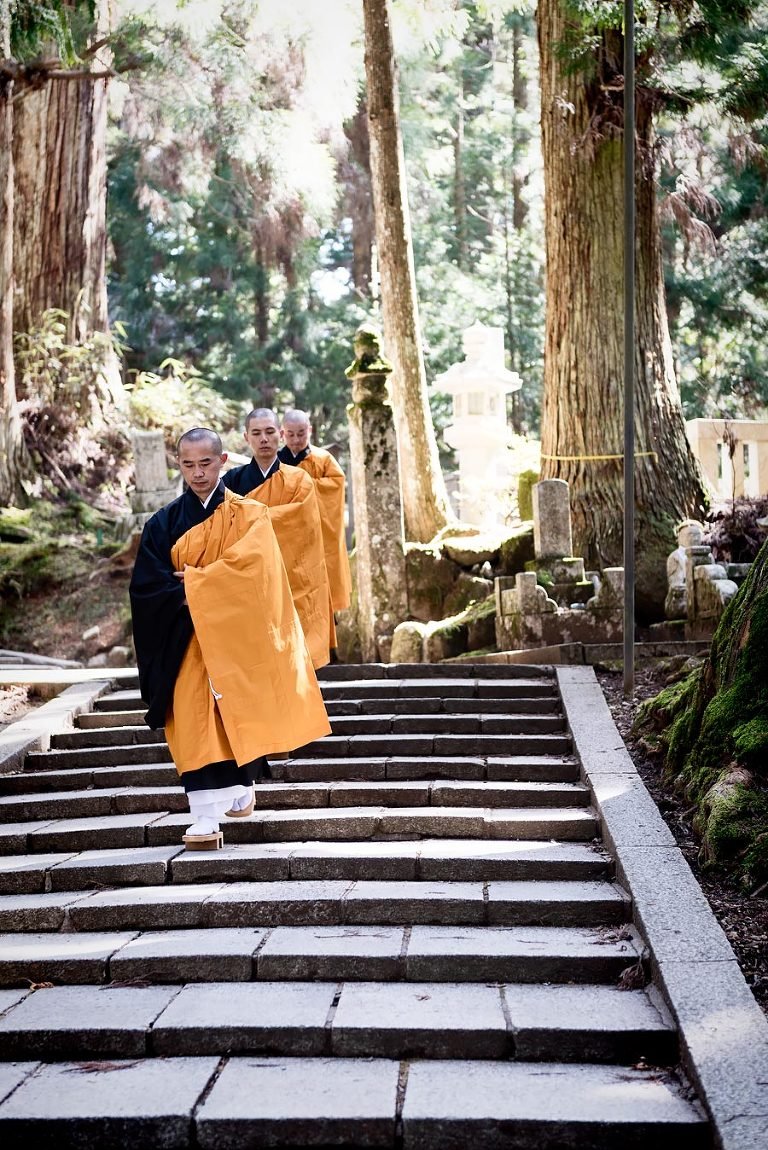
(479, 432)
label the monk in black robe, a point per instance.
(203, 547)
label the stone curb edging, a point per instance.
(723, 1032)
(33, 731)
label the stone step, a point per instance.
(163, 828)
(426, 860)
(332, 747)
(269, 1101)
(104, 799)
(437, 705)
(344, 726)
(81, 779)
(344, 672)
(368, 689)
(364, 746)
(363, 823)
(359, 1020)
(308, 903)
(500, 768)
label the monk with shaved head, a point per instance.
(198, 637)
(290, 495)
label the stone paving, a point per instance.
(418, 939)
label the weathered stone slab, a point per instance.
(724, 1036)
(568, 903)
(57, 805)
(12, 1074)
(522, 954)
(143, 908)
(145, 866)
(509, 794)
(332, 952)
(407, 793)
(294, 903)
(568, 825)
(35, 912)
(488, 860)
(628, 814)
(25, 874)
(458, 822)
(300, 1102)
(176, 956)
(92, 834)
(452, 1105)
(255, 1017)
(66, 958)
(95, 1105)
(9, 998)
(332, 823)
(381, 902)
(532, 768)
(588, 1024)
(350, 860)
(264, 862)
(436, 767)
(307, 769)
(421, 1020)
(83, 1022)
(15, 837)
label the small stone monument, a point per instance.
(690, 533)
(153, 487)
(378, 511)
(479, 432)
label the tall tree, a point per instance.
(11, 439)
(582, 123)
(425, 499)
(60, 162)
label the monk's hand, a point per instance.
(179, 574)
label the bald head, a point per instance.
(201, 458)
(262, 434)
(202, 435)
(296, 430)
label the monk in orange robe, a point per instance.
(329, 485)
(222, 661)
(290, 495)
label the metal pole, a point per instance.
(629, 348)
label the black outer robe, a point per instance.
(285, 455)
(162, 624)
(243, 480)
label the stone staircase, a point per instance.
(416, 941)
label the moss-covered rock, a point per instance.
(713, 726)
(516, 550)
(525, 482)
(431, 578)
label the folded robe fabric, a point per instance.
(245, 687)
(293, 508)
(329, 486)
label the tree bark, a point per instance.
(583, 364)
(11, 438)
(60, 233)
(425, 500)
(358, 198)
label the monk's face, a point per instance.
(296, 436)
(263, 438)
(200, 466)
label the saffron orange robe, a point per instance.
(330, 487)
(292, 501)
(246, 686)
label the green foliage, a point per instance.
(36, 24)
(177, 399)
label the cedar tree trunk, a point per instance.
(425, 500)
(581, 119)
(60, 233)
(11, 438)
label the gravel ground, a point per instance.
(743, 918)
